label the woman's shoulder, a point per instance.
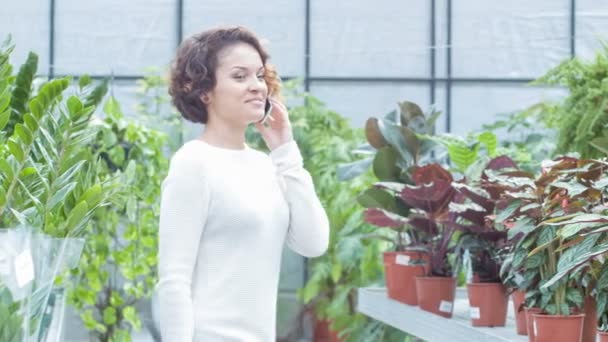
(186, 159)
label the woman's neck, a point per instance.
(224, 136)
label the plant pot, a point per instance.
(557, 328)
(520, 315)
(436, 295)
(323, 332)
(590, 325)
(401, 277)
(603, 336)
(530, 322)
(488, 304)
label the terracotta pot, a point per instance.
(401, 277)
(603, 336)
(323, 332)
(556, 328)
(488, 304)
(590, 325)
(436, 295)
(530, 322)
(520, 315)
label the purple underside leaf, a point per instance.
(431, 198)
(423, 224)
(502, 162)
(383, 218)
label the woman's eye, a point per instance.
(239, 77)
(261, 77)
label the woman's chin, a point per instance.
(255, 117)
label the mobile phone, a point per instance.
(267, 110)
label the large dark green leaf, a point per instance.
(377, 198)
(385, 164)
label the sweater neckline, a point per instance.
(223, 149)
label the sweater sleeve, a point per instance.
(308, 232)
(183, 212)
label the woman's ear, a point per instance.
(205, 98)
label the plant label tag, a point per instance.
(445, 306)
(402, 260)
(475, 312)
(24, 268)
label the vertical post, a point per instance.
(52, 40)
(572, 28)
(448, 99)
(180, 21)
(433, 52)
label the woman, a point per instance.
(227, 209)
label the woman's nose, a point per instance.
(257, 84)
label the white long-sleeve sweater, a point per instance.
(225, 217)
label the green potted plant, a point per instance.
(558, 243)
(48, 183)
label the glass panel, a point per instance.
(359, 101)
(279, 23)
(28, 24)
(515, 39)
(354, 38)
(129, 37)
(591, 26)
(476, 104)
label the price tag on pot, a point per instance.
(475, 312)
(24, 268)
(402, 260)
(445, 306)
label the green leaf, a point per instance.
(61, 195)
(525, 226)
(535, 261)
(93, 195)
(24, 133)
(37, 108)
(6, 168)
(385, 164)
(503, 215)
(74, 106)
(109, 315)
(488, 139)
(4, 117)
(377, 198)
(570, 230)
(130, 315)
(77, 215)
(15, 148)
(575, 296)
(2, 196)
(30, 121)
(84, 81)
(573, 188)
(336, 272)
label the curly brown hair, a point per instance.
(193, 70)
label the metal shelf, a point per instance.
(374, 302)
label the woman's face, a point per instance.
(240, 91)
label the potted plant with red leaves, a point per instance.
(397, 150)
(483, 245)
(430, 198)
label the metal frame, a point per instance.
(433, 81)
